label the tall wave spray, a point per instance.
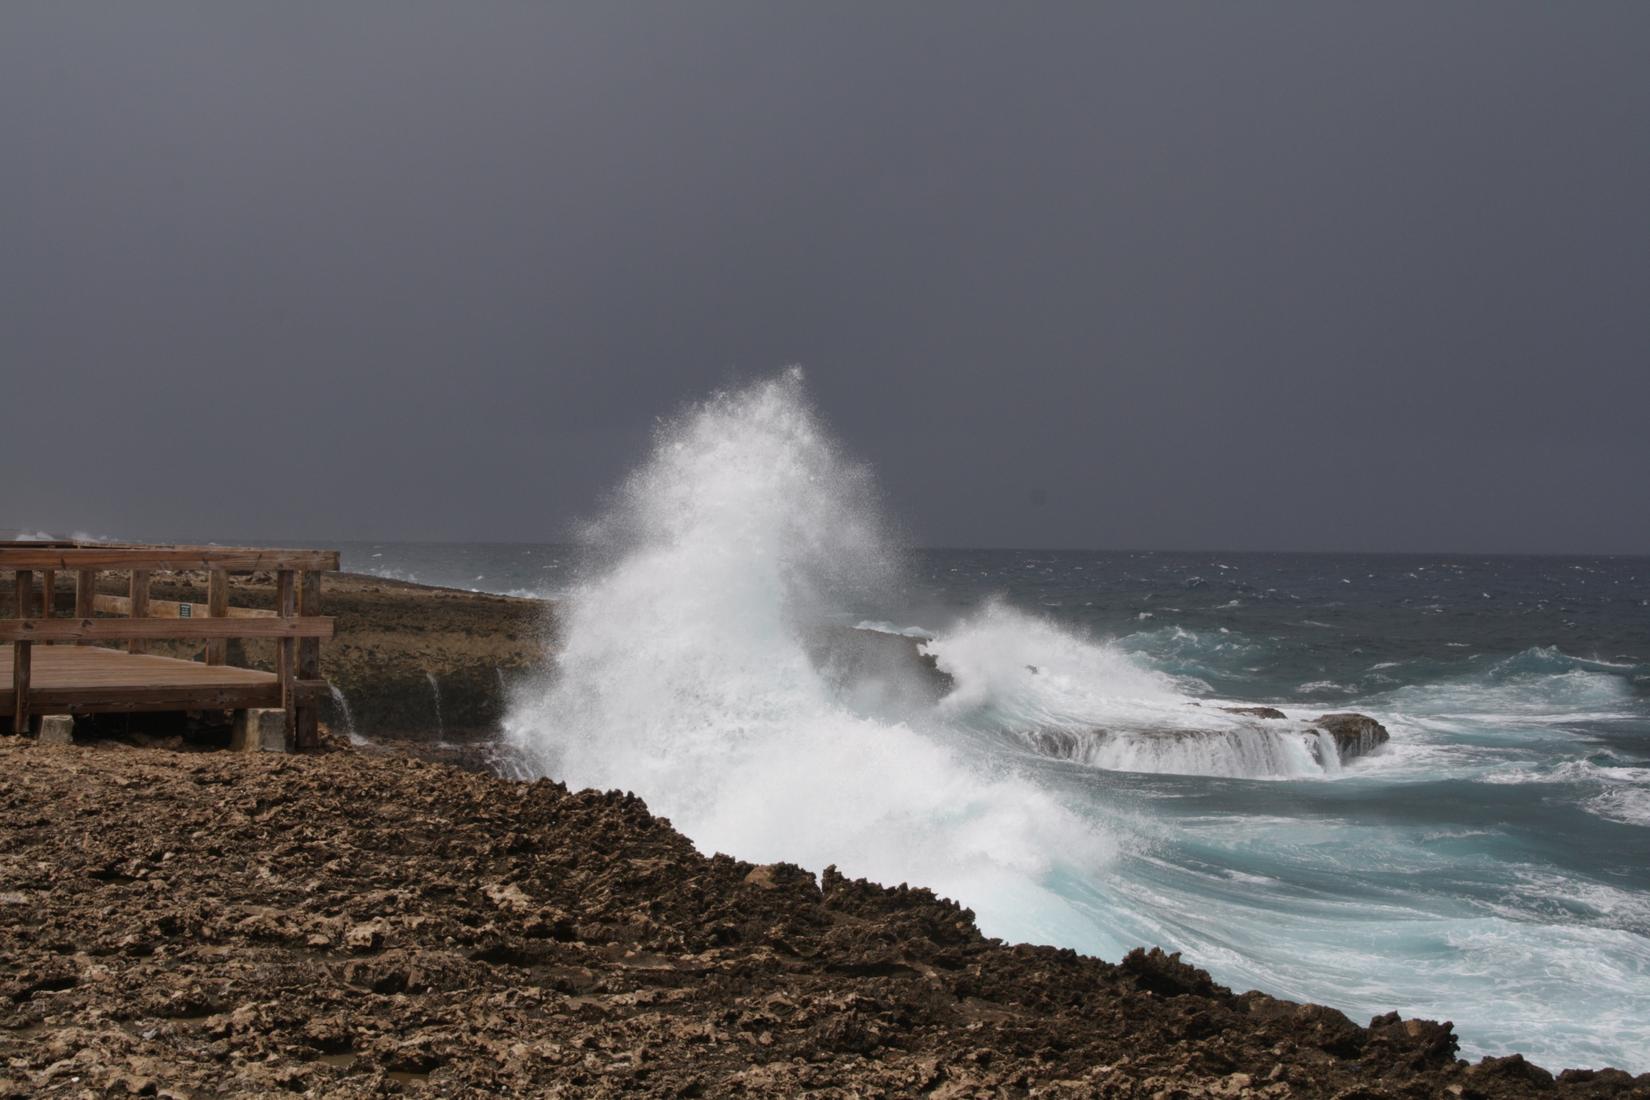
(692, 672)
(686, 676)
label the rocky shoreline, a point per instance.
(372, 921)
(213, 924)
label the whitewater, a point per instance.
(1054, 754)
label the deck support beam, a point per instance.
(140, 606)
(286, 654)
(22, 660)
(85, 595)
(22, 655)
(308, 717)
(217, 607)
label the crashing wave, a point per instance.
(1006, 673)
(688, 674)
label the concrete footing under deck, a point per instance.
(259, 730)
(55, 729)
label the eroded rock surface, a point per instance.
(347, 925)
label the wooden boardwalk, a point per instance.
(75, 680)
(63, 665)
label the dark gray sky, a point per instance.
(1315, 276)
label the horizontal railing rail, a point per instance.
(159, 630)
(174, 609)
(235, 559)
(294, 625)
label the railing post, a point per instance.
(285, 654)
(22, 654)
(309, 663)
(217, 606)
(140, 606)
(85, 595)
(21, 659)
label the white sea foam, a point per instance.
(1628, 805)
(341, 701)
(1623, 793)
(882, 626)
(1091, 702)
(683, 676)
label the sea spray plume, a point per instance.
(684, 676)
(1018, 670)
(749, 481)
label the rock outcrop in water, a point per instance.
(1275, 746)
(887, 672)
(1355, 734)
(351, 925)
(890, 673)
(1256, 712)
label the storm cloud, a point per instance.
(1276, 276)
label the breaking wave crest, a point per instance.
(1091, 702)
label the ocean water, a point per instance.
(1490, 865)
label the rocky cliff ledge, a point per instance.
(408, 660)
(354, 925)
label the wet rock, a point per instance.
(880, 670)
(1423, 1042)
(1167, 976)
(1256, 712)
(1511, 1069)
(1355, 734)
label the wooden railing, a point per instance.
(295, 623)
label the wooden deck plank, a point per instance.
(59, 666)
(85, 680)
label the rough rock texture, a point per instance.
(1354, 734)
(346, 925)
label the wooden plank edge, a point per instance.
(70, 630)
(239, 559)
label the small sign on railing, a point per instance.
(184, 611)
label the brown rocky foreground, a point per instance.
(212, 924)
